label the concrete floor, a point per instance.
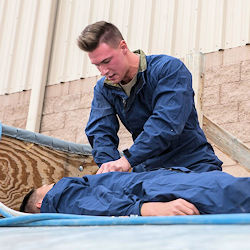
(169, 237)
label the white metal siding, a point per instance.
(175, 27)
(16, 26)
(25, 30)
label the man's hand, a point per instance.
(121, 165)
(176, 207)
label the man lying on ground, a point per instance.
(154, 193)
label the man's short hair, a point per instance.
(27, 205)
(99, 32)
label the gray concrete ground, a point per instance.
(169, 237)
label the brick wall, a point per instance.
(226, 94)
(14, 109)
(226, 97)
(66, 109)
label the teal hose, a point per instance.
(81, 220)
(17, 219)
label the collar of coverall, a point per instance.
(142, 67)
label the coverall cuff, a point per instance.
(135, 209)
(129, 157)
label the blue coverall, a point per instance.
(159, 113)
(122, 193)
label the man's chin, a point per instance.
(113, 81)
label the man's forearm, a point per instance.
(176, 207)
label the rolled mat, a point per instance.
(17, 219)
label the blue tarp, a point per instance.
(17, 219)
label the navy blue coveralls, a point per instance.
(120, 194)
(160, 115)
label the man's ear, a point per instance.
(123, 45)
(39, 204)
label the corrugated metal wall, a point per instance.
(29, 29)
(26, 32)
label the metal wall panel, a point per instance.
(186, 25)
(39, 64)
(175, 27)
(162, 35)
(24, 43)
(236, 13)
(211, 26)
(16, 43)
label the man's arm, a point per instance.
(173, 102)
(102, 129)
(176, 207)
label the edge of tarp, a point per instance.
(44, 140)
(18, 219)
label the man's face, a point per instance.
(42, 191)
(111, 62)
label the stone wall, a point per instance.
(66, 109)
(226, 97)
(14, 109)
(226, 93)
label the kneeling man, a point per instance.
(156, 193)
